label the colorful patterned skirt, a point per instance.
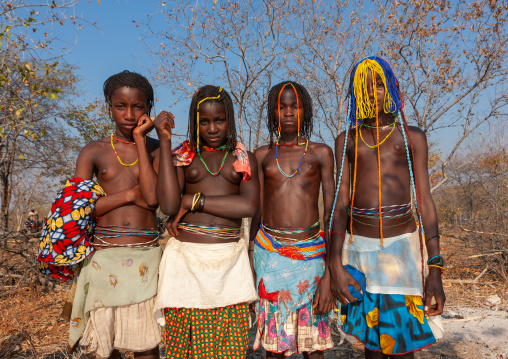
(303, 331)
(207, 333)
(390, 323)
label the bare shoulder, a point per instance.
(418, 137)
(94, 148)
(252, 156)
(340, 138)
(261, 152)
(321, 149)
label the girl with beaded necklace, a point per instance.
(287, 243)
(126, 234)
(205, 283)
(381, 161)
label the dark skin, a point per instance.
(228, 198)
(130, 199)
(293, 202)
(395, 190)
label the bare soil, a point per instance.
(31, 325)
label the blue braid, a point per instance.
(409, 163)
(338, 184)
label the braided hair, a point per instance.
(129, 79)
(222, 97)
(273, 99)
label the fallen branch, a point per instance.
(466, 281)
(486, 254)
(481, 274)
(480, 232)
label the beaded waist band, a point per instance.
(216, 232)
(291, 230)
(104, 232)
(398, 211)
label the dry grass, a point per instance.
(31, 325)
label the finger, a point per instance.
(143, 119)
(316, 301)
(439, 306)
(427, 303)
(355, 284)
(349, 297)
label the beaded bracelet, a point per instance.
(440, 267)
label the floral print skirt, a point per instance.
(303, 331)
(391, 323)
(215, 333)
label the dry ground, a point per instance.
(31, 326)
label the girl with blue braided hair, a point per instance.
(378, 229)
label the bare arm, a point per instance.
(241, 205)
(324, 300)
(434, 284)
(340, 278)
(257, 218)
(167, 188)
(147, 175)
(328, 184)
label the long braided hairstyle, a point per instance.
(129, 79)
(213, 94)
(359, 108)
(273, 105)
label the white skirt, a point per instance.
(203, 275)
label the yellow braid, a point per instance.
(364, 108)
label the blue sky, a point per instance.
(115, 46)
(112, 47)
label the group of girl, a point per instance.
(375, 252)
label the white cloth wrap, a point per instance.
(203, 275)
(394, 269)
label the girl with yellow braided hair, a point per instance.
(377, 227)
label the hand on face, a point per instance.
(145, 125)
(164, 123)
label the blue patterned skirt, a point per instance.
(390, 323)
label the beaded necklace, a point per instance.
(220, 169)
(277, 159)
(382, 128)
(127, 142)
(116, 153)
